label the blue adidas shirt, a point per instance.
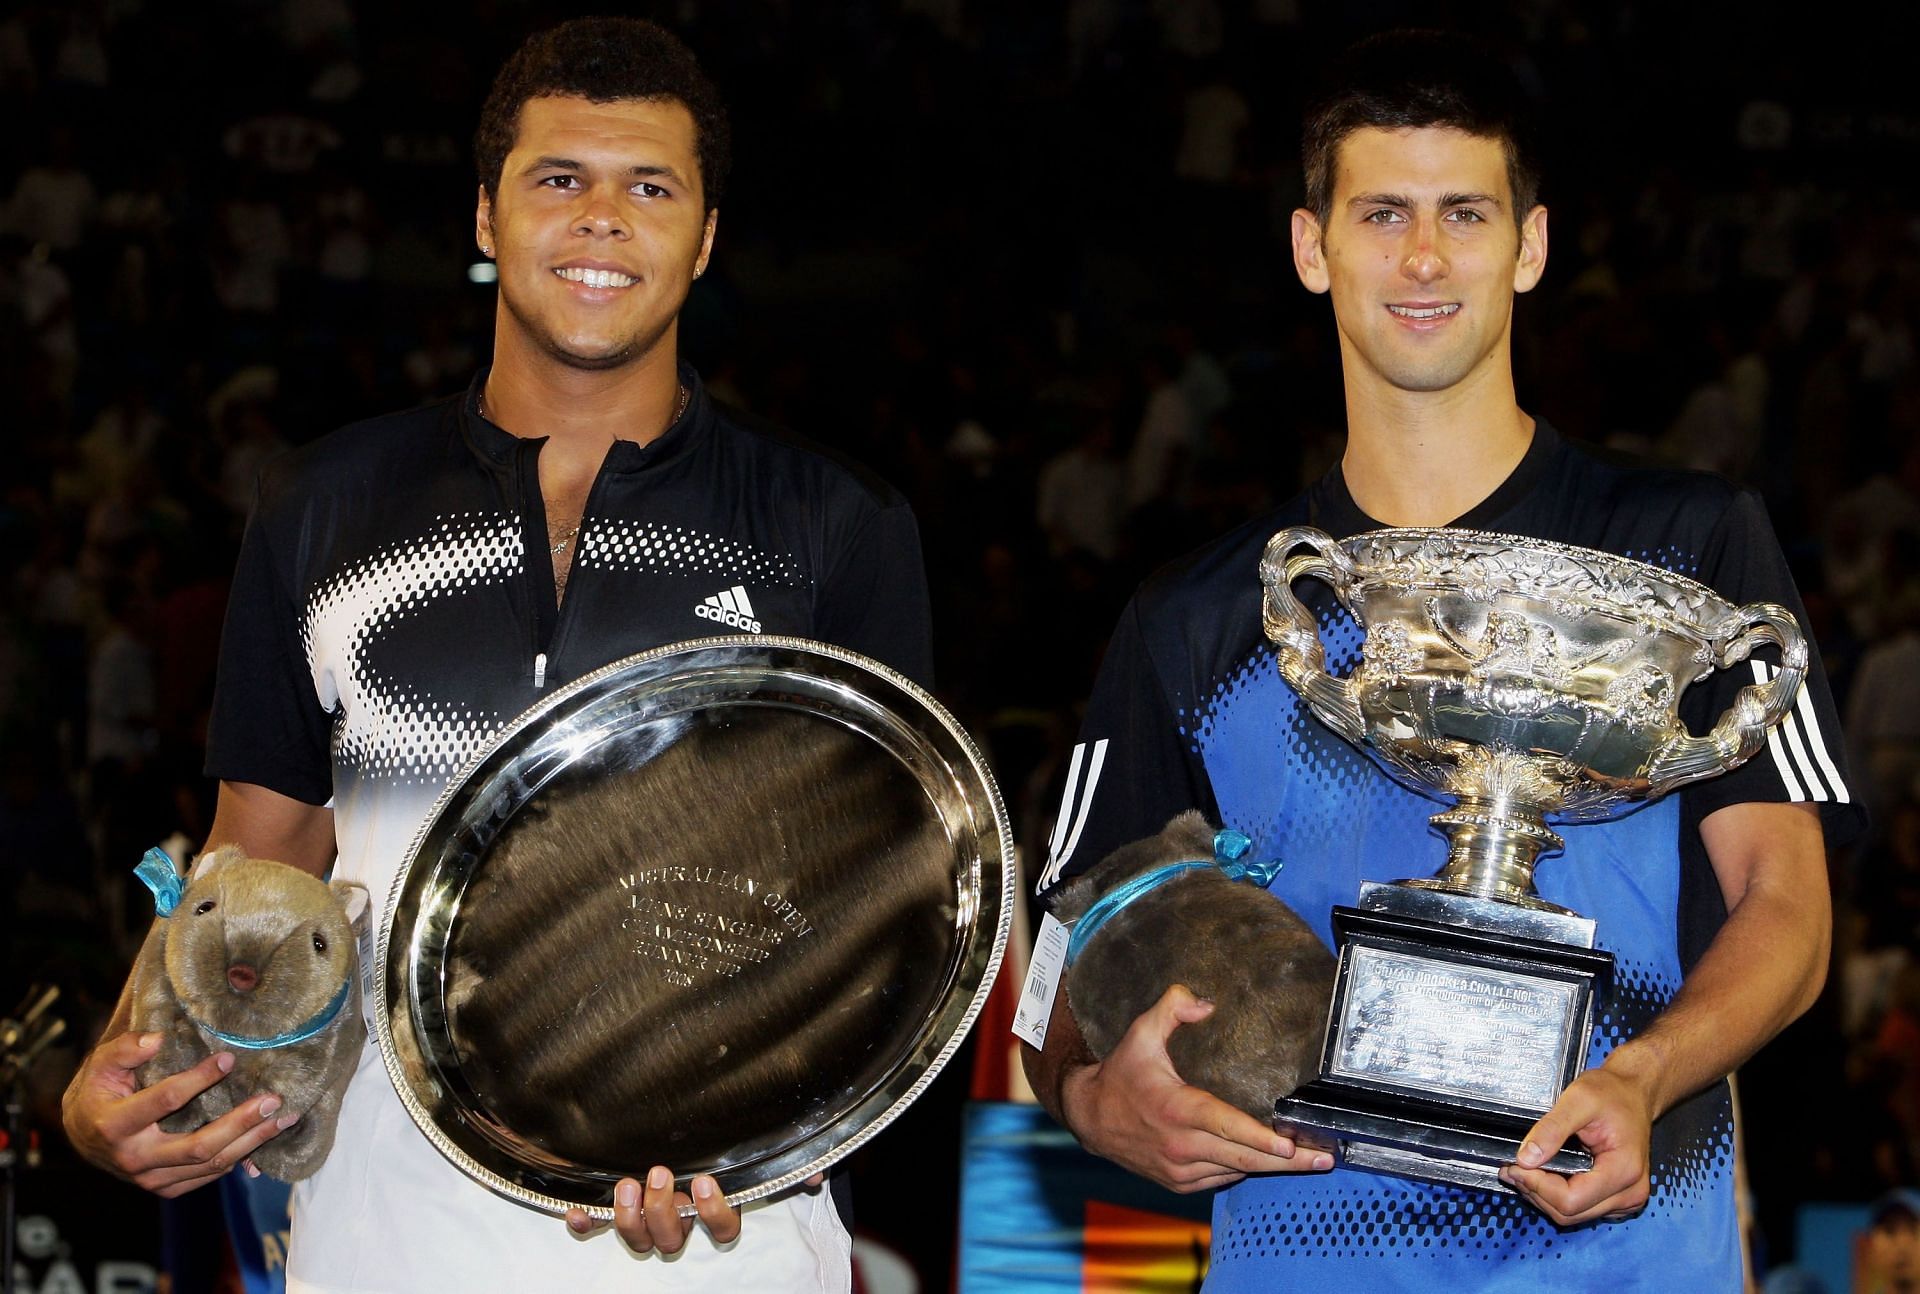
(1190, 711)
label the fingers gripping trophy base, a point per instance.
(1455, 1025)
(1227, 941)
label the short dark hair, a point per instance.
(1406, 80)
(1897, 1208)
(605, 60)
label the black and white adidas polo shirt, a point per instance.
(394, 607)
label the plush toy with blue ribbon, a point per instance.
(261, 960)
(1190, 906)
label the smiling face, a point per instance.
(599, 228)
(1893, 1253)
(1422, 255)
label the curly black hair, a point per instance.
(605, 60)
(1410, 79)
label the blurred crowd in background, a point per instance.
(1028, 260)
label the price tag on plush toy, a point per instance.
(1043, 977)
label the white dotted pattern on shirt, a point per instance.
(384, 729)
(626, 545)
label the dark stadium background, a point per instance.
(957, 244)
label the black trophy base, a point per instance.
(1447, 1039)
(1434, 1141)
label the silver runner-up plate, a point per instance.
(726, 906)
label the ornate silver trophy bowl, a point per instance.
(727, 906)
(1531, 683)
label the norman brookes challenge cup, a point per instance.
(1524, 681)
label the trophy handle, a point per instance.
(1290, 625)
(1756, 709)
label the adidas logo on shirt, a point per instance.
(731, 608)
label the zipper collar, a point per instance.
(496, 445)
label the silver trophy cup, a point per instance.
(1526, 682)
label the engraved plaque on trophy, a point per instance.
(1526, 682)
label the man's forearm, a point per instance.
(1066, 1051)
(1764, 967)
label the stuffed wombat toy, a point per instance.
(259, 959)
(1225, 938)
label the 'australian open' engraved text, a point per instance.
(688, 939)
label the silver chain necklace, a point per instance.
(560, 546)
